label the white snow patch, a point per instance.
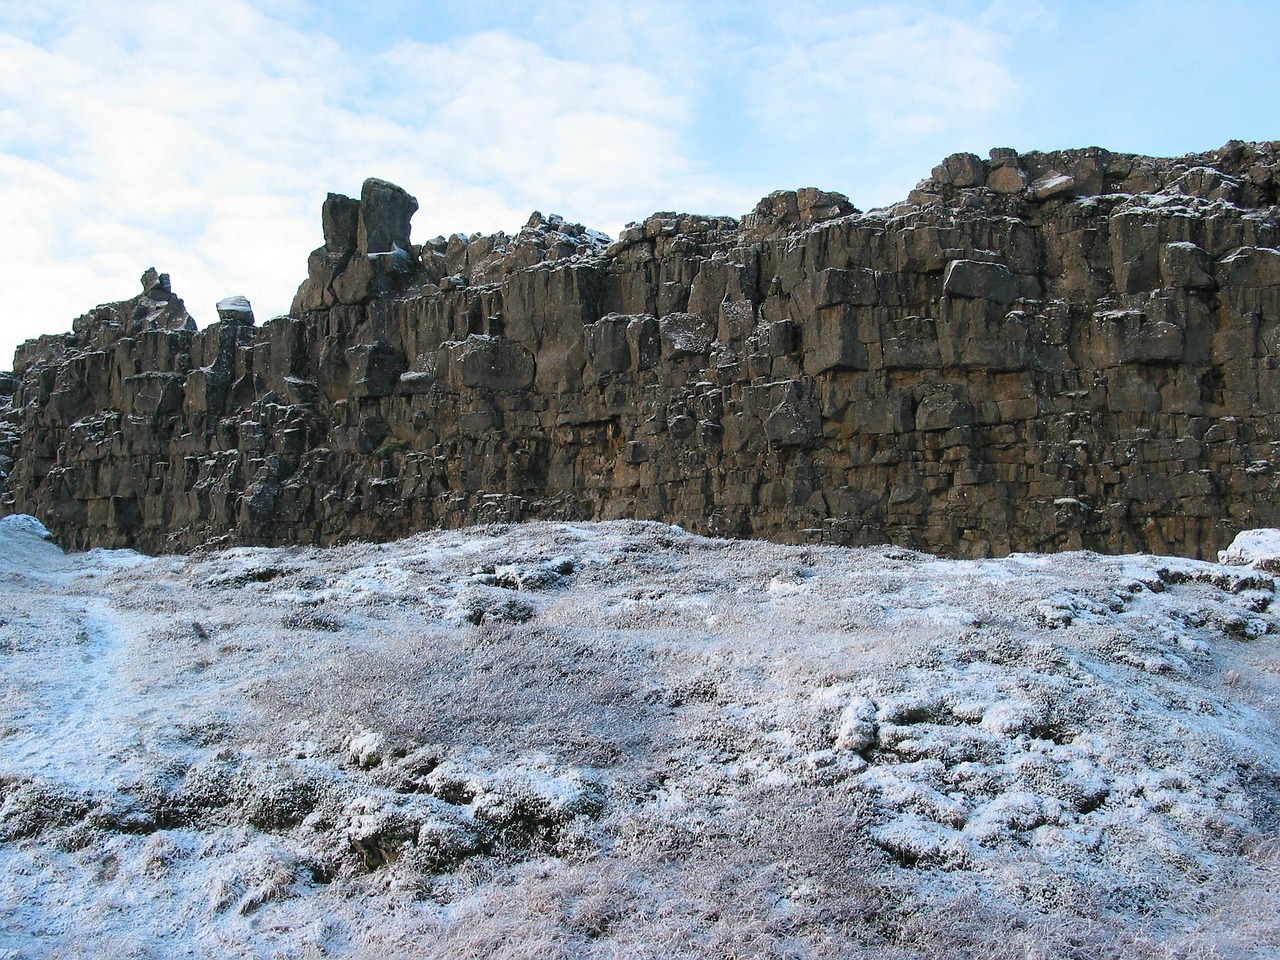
(1259, 549)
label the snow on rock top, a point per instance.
(622, 740)
(25, 545)
(235, 308)
(1254, 548)
(21, 525)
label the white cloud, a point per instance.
(885, 91)
(121, 153)
(597, 139)
(884, 73)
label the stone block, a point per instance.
(1185, 265)
(492, 363)
(974, 279)
(414, 383)
(962, 170)
(1133, 337)
(831, 341)
(340, 222)
(736, 320)
(919, 249)
(942, 410)
(645, 341)
(782, 337)
(153, 394)
(375, 368)
(608, 350)
(857, 287)
(910, 344)
(385, 212)
(685, 334)
(1250, 268)
(1135, 251)
(793, 423)
(1131, 392)
(235, 309)
(1052, 186)
(1007, 180)
(1013, 411)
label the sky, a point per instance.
(202, 138)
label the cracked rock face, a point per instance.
(1033, 352)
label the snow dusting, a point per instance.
(621, 740)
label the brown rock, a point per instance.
(968, 372)
(1007, 180)
(235, 310)
(1184, 264)
(1052, 186)
(962, 170)
(976, 280)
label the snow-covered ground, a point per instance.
(619, 740)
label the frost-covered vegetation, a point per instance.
(620, 740)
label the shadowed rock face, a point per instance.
(1035, 352)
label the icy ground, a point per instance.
(620, 740)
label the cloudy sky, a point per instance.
(201, 138)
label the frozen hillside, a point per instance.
(619, 740)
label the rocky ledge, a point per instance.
(1033, 352)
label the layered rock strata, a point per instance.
(1033, 352)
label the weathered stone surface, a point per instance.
(834, 286)
(375, 369)
(493, 363)
(1052, 186)
(1039, 351)
(962, 170)
(942, 409)
(793, 423)
(784, 209)
(1183, 264)
(976, 280)
(236, 309)
(385, 212)
(1007, 180)
(685, 334)
(608, 348)
(156, 308)
(833, 342)
(366, 252)
(1251, 267)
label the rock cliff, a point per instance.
(1032, 352)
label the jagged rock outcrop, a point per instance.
(1033, 352)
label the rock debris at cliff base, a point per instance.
(1037, 351)
(623, 740)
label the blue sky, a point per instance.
(202, 138)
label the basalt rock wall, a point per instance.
(1035, 352)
